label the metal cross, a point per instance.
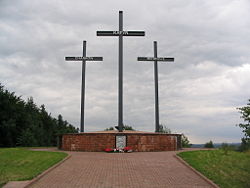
(83, 59)
(120, 34)
(156, 59)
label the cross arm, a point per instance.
(83, 58)
(118, 33)
(169, 59)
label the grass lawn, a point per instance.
(231, 170)
(22, 164)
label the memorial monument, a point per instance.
(137, 140)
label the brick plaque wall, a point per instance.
(138, 141)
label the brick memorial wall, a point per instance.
(138, 141)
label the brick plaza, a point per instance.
(125, 170)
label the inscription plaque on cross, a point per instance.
(156, 59)
(120, 34)
(83, 59)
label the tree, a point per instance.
(25, 124)
(64, 127)
(125, 127)
(27, 138)
(128, 127)
(245, 114)
(164, 129)
(109, 129)
(185, 143)
(8, 133)
(11, 116)
(209, 144)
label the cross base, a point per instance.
(119, 128)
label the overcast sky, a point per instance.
(198, 93)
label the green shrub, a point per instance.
(245, 145)
(209, 144)
(185, 143)
(225, 147)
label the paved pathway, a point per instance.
(121, 170)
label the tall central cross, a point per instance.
(83, 59)
(156, 59)
(120, 34)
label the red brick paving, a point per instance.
(125, 170)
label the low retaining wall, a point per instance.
(138, 141)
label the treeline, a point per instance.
(23, 123)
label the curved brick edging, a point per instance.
(46, 172)
(195, 171)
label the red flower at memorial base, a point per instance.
(109, 150)
(125, 149)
